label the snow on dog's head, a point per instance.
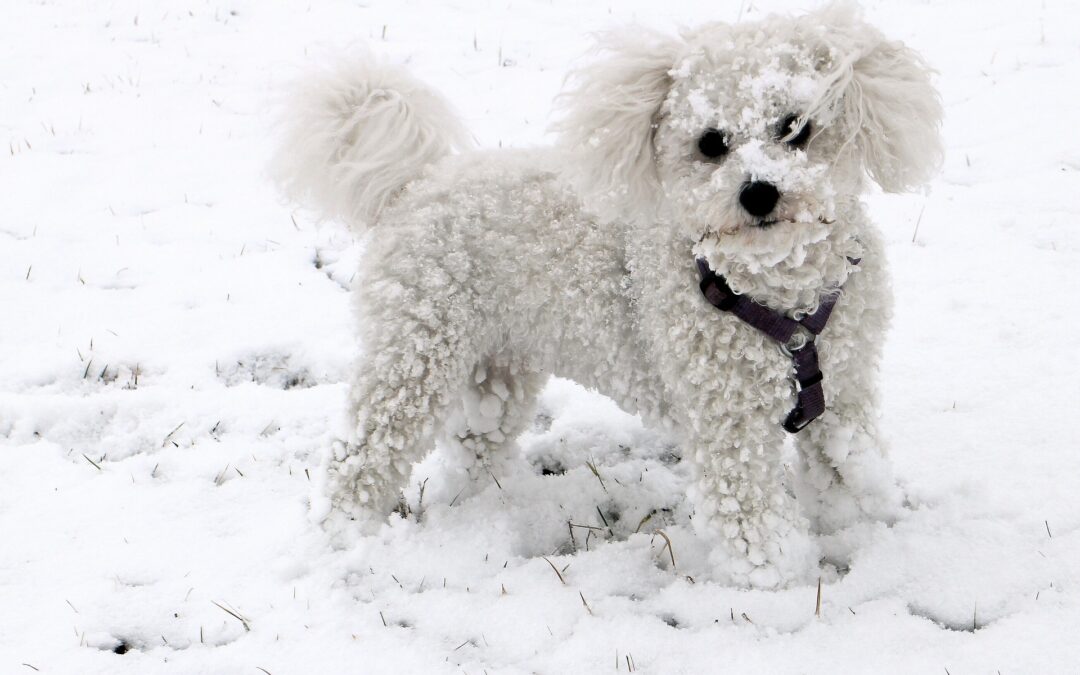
(749, 135)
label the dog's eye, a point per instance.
(712, 144)
(787, 126)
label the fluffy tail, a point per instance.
(355, 134)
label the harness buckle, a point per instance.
(796, 421)
(798, 341)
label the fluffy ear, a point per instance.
(610, 109)
(882, 88)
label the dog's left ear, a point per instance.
(610, 109)
(883, 90)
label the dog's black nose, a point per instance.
(759, 198)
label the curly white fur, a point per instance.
(493, 270)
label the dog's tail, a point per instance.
(355, 134)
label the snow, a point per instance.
(176, 342)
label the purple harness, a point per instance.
(796, 339)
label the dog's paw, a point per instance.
(838, 507)
(349, 496)
(775, 561)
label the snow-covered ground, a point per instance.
(175, 340)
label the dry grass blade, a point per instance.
(96, 465)
(584, 527)
(235, 615)
(604, 520)
(917, 221)
(168, 436)
(555, 569)
(220, 478)
(592, 467)
(817, 609)
(420, 501)
(264, 670)
(587, 608)
(667, 545)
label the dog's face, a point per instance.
(747, 137)
(745, 158)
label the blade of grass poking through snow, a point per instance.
(235, 615)
(817, 608)
(454, 500)
(667, 545)
(917, 221)
(220, 478)
(168, 436)
(555, 569)
(96, 465)
(604, 520)
(592, 467)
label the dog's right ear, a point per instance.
(610, 108)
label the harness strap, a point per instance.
(810, 397)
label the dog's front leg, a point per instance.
(759, 537)
(845, 475)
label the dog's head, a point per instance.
(747, 136)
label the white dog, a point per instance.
(704, 198)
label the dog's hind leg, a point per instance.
(496, 405)
(412, 368)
